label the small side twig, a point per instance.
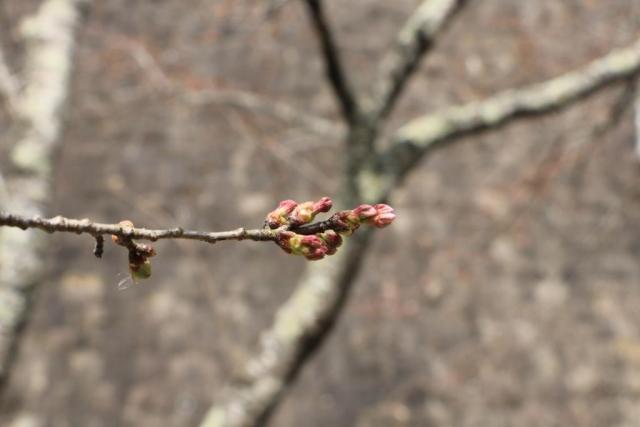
(98, 249)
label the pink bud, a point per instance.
(302, 214)
(280, 216)
(384, 216)
(322, 205)
(287, 205)
(312, 241)
(316, 254)
(365, 212)
(314, 248)
(305, 212)
(333, 241)
(284, 240)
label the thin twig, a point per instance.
(61, 224)
(333, 66)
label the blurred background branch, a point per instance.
(415, 38)
(334, 69)
(418, 136)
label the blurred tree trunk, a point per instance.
(35, 99)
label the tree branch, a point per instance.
(420, 135)
(333, 66)
(61, 224)
(412, 42)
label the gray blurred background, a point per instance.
(506, 293)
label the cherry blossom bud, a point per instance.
(302, 214)
(283, 240)
(332, 240)
(280, 216)
(384, 216)
(313, 247)
(365, 212)
(322, 205)
(316, 254)
(305, 212)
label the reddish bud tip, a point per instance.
(287, 205)
(322, 205)
(280, 216)
(305, 212)
(333, 241)
(311, 241)
(384, 216)
(365, 212)
(302, 214)
(283, 240)
(313, 248)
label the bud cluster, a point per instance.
(378, 216)
(290, 216)
(292, 213)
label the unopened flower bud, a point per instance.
(384, 216)
(302, 214)
(316, 254)
(313, 247)
(284, 240)
(365, 212)
(332, 240)
(322, 205)
(280, 216)
(305, 212)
